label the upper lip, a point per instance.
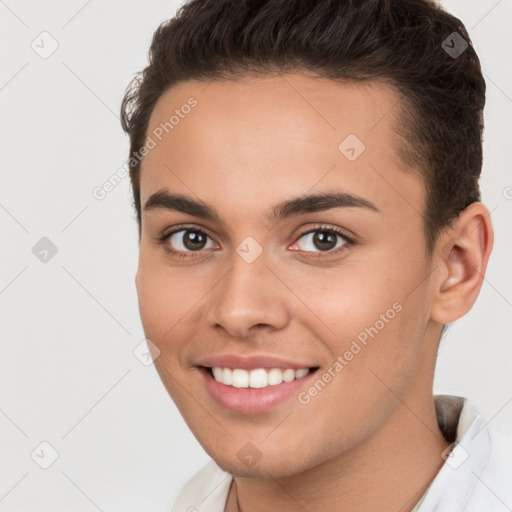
(250, 362)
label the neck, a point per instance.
(388, 472)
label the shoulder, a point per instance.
(206, 490)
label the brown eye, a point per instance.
(187, 240)
(324, 240)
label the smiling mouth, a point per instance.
(258, 378)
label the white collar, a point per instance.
(465, 459)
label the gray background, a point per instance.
(69, 376)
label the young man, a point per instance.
(309, 221)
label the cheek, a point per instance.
(371, 324)
(340, 303)
(171, 307)
(161, 300)
(161, 305)
(374, 359)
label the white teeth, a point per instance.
(289, 375)
(240, 378)
(301, 373)
(258, 378)
(227, 376)
(275, 376)
(218, 374)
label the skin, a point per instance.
(369, 440)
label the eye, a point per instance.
(326, 239)
(184, 241)
(189, 242)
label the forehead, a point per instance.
(293, 131)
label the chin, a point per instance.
(275, 466)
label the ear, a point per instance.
(461, 255)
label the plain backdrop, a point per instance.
(69, 376)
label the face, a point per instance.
(282, 324)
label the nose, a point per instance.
(248, 299)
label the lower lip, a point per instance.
(252, 400)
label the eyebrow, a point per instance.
(301, 205)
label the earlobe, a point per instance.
(466, 247)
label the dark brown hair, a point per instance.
(403, 42)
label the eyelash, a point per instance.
(349, 241)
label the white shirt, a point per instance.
(476, 475)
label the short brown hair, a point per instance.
(403, 42)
